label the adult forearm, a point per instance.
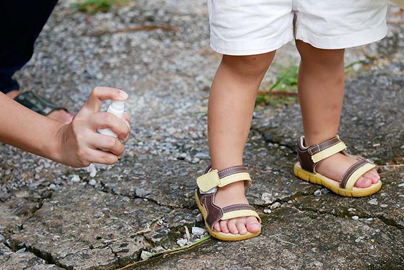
(76, 144)
(28, 130)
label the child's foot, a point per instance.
(234, 194)
(335, 166)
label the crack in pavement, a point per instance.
(112, 192)
(346, 215)
(15, 245)
(267, 140)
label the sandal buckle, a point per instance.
(314, 149)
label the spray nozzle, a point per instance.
(118, 104)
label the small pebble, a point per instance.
(360, 238)
(74, 178)
(145, 255)
(92, 182)
(182, 242)
(267, 211)
(275, 205)
(325, 191)
(53, 187)
(373, 202)
(125, 199)
(197, 231)
(317, 193)
(1, 238)
(202, 155)
(92, 170)
(355, 217)
(384, 205)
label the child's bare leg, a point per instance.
(321, 92)
(231, 106)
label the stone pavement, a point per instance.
(55, 217)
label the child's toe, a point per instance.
(231, 224)
(241, 226)
(363, 182)
(253, 225)
(223, 226)
(374, 176)
(217, 227)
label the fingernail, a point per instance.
(71, 115)
(123, 94)
(127, 123)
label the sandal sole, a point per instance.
(333, 185)
(219, 235)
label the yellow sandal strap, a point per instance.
(329, 151)
(310, 156)
(215, 178)
(240, 213)
(352, 175)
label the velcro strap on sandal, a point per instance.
(354, 172)
(320, 152)
(239, 210)
(215, 178)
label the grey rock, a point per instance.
(201, 155)
(197, 231)
(325, 191)
(267, 211)
(275, 205)
(74, 178)
(145, 255)
(92, 182)
(317, 193)
(4, 196)
(373, 201)
(182, 242)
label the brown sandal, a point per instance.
(310, 157)
(211, 213)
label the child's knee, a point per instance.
(322, 57)
(251, 65)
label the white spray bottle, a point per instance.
(117, 108)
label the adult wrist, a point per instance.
(53, 146)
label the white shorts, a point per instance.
(246, 27)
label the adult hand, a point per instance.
(79, 143)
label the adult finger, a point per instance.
(104, 120)
(101, 93)
(107, 143)
(126, 118)
(102, 157)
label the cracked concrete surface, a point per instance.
(50, 221)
